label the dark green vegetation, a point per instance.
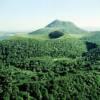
(55, 34)
(64, 68)
(48, 70)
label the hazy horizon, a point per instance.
(27, 15)
(88, 28)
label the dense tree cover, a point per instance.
(28, 85)
(16, 51)
(55, 34)
(93, 57)
(91, 45)
(48, 70)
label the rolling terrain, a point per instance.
(94, 37)
(34, 66)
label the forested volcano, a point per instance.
(63, 26)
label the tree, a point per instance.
(55, 34)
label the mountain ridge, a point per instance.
(57, 23)
(63, 26)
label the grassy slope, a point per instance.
(45, 36)
(93, 37)
(57, 25)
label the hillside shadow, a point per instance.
(90, 45)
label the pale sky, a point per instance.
(24, 15)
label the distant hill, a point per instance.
(62, 26)
(5, 35)
(93, 37)
(96, 32)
